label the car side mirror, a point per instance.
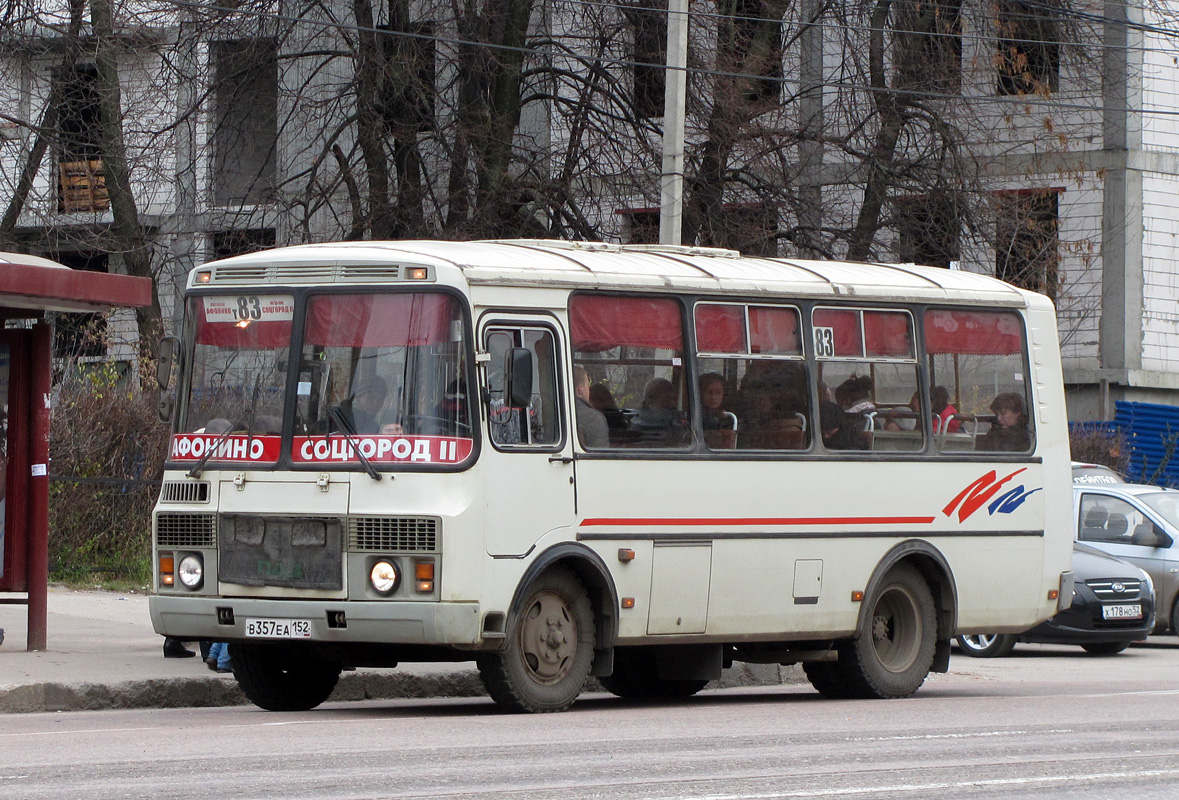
(518, 377)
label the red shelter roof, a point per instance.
(29, 284)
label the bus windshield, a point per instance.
(385, 373)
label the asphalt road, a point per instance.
(1047, 722)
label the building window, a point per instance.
(928, 45)
(757, 49)
(1029, 47)
(245, 133)
(1027, 237)
(235, 243)
(641, 225)
(648, 22)
(80, 335)
(81, 182)
(928, 229)
(407, 96)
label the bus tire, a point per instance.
(826, 679)
(549, 649)
(636, 678)
(281, 678)
(986, 645)
(894, 650)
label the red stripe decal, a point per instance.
(653, 522)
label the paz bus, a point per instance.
(641, 463)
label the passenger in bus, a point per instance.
(592, 430)
(659, 419)
(368, 401)
(943, 412)
(1009, 432)
(904, 418)
(772, 406)
(854, 396)
(603, 400)
(720, 426)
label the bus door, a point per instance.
(528, 470)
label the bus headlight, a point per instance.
(384, 577)
(191, 572)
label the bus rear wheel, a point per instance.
(636, 677)
(549, 651)
(893, 653)
(281, 678)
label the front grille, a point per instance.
(393, 534)
(293, 552)
(1105, 588)
(185, 492)
(186, 530)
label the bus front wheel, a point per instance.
(549, 650)
(281, 678)
(893, 653)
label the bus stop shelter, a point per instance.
(29, 287)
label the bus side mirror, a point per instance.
(518, 377)
(164, 356)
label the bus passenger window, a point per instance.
(753, 383)
(631, 349)
(978, 358)
(868, 380)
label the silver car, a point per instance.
(1136, 523)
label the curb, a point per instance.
(208, 692)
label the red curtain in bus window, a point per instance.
(973, 332)
(887, 334)
(774, 331)
(256, 335)
(600, 322)
(845, 325)
(379, 320)
(720, 328)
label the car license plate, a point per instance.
(278, 628)
(1122, 612)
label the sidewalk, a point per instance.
(103, 654)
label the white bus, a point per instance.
(642, 463)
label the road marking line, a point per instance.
(929, 787)
(976, 735)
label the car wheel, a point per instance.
(1105, 648)
(986, 645)
(550, 648)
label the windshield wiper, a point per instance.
(350, 434)
(195, 472)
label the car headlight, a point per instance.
(191, 571)
(384, 577)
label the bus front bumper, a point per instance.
(190, 618)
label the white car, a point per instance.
(1138, 523)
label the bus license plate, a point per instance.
(278, 628)
(1122, 612)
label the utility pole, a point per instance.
(671, 195)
